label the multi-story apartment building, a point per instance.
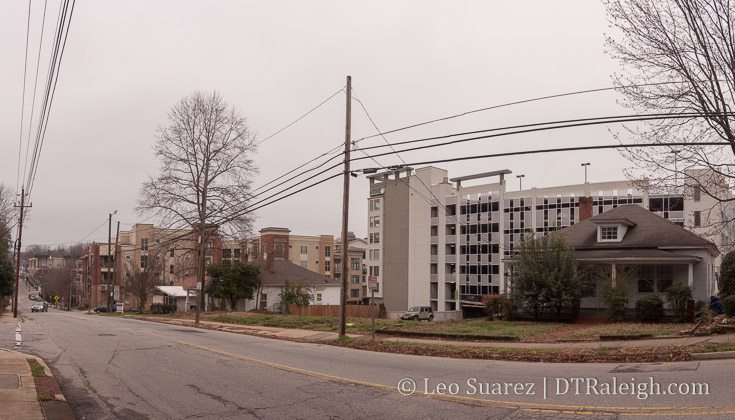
(442, 242)
(315, 253)
(357, 292)
(173, 251)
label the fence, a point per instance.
(354, 311)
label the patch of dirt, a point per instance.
(555, 335)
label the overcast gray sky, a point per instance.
(126, 63)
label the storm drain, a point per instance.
(8, 381)
(105, 335)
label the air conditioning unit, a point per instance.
(103, 287)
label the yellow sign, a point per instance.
(56, 298)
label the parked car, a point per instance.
(419, 313)
(39, 307)
(31, 296)
(103, 308)
(132, 310)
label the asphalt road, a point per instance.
(120, 368)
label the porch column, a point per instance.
(690, 278)
(186, 302)
(613, 273)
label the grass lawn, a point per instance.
(516, 329)
(628, 328)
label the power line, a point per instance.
(541, 98)
(53, 92)
(42, 113)
(23, 100)
(35, 85)
(571, 149)
(300, 118)
(485, 237)
(555, 127)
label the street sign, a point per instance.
(372, 283)
(199, 285)
(117, 293)
(120, 307)
(56, 298)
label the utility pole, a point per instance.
(17, 255)
(109, 259)
(114, 261)
(345, 212)
(202, 232)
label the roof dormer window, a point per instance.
(608, 233)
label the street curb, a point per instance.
(713, 355)
(58, 409)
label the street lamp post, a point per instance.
(585, 171)
(520, 181)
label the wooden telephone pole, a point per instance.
(17, 255)
(345, 213)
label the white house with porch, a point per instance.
(660, 252)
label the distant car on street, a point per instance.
(39, 307)
(31, 296)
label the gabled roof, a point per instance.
(647, 230)
(287, 271)
(175, 291)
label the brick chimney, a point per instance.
(585, 208)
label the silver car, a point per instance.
(39, 307)
(419, 313)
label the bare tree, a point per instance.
(58, 282)
(205, 173)
(7, 212)
(677, 57)
(141, 277)
(206, 169)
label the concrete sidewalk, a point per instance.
(20, 390)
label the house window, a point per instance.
(354, 264)
(645, 279)
(376, 271)
(171, 253)
(318, 297)
(264, 301)
(226, 253)
(354, 293)
(377, 221)
(171, 269)
(697, 218)
(237, 253)
(697, 193)
(127, 297)
(327, 266)
(327, 251)
(608, 233)
(664, 278)
(304, 264)
(143, 261)
(589, 285)
(355, 279)
(376, 238)
(144, 244)
(303, 249)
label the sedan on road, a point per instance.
(39, 307)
